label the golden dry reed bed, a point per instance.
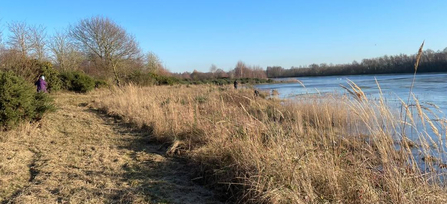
(310, 150)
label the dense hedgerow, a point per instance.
(141, 79)
(151, 79)
(101, 84)
(19, 101)
(226, 81)
(77, 81)
(165, 80)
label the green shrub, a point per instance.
(77, 81)
(43, 104)
(101, 84)
(51, 76)
(221, 81)
(150, 79)
(66, 78)
(142, 79)
(164, 80)
(19, 101)
(82, 83)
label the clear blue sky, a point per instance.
(193, 34)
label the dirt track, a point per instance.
(79, 155)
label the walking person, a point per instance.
(41, 84)
(235, 84)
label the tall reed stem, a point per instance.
(416, 65)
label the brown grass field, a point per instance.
(314, 149)
(154, 144)
(79, 155)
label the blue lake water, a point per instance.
(428, 88)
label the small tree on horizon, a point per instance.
(213, 69)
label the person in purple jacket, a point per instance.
(41, 85)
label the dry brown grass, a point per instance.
(314, 149)
(77, 155)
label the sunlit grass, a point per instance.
(327, 148)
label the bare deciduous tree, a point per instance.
(221, 73)
(66, 54)
(19, 38)
(239, 70)
(153, 63)
(1, 38)
(37, 42)
(102, 38)
(213, 69)
(28, 40)
(25, 44)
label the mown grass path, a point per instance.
(79, 155)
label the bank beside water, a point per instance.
(324, 148)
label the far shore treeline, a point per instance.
(431, 61)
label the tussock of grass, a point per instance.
(314, 149)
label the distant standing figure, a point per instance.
(41, 85)
(235, 84)
(256, 92)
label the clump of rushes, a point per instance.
(315, 149)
